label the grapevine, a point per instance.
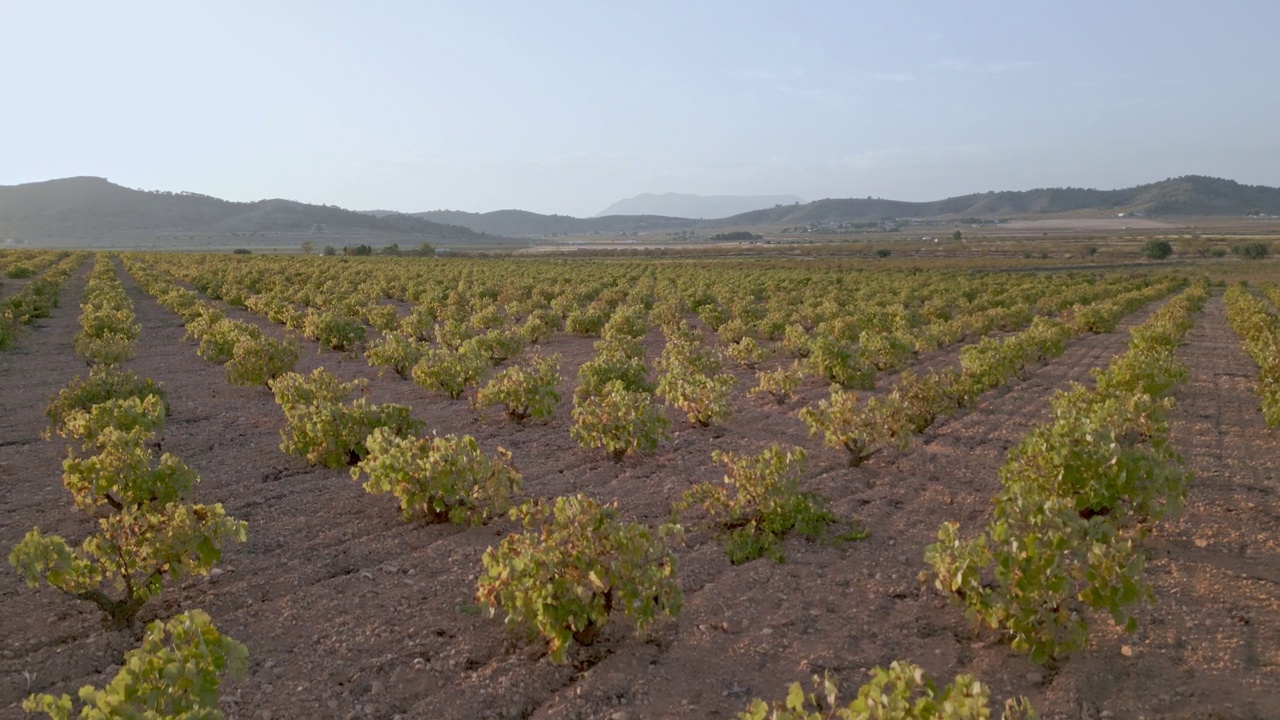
(575, 564)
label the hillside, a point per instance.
(91, 210)
(1192, 195)
(695, 206)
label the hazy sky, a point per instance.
(568, 106)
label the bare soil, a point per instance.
(1082, 223)
(12, 286)
(350, 612)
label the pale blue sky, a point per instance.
(568, 106)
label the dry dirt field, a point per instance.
(350, 612)
(1022, 227)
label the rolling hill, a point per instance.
(1192, 195)
(89, 211)
(92, 210)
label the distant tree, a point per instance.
(1252, 250)
(360, 249)
(329, 250)
(426, 250)
(392, 249)
(1157, 249)
(883, 253)
(1088, 251)
(308, 247)
(241, 251)
(735, 236)
(957, 236)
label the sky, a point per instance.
(567, 107)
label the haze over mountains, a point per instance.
(697, 207)
(521, 223)
(92, 211)
(1191, 195)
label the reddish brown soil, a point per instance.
(348, 611)
(12, 286)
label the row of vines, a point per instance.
(1077, 492)
(1259, 328)
(45, 274)
(143, 534)
(449, 342)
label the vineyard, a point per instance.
(348, 487)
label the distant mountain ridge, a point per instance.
(1191, 195)
(521, 223)
(699, 207)
(94, 210)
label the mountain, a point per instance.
(1191, 195)
(695, 206)
(92, 210)
(521, 223)
(88, 211)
